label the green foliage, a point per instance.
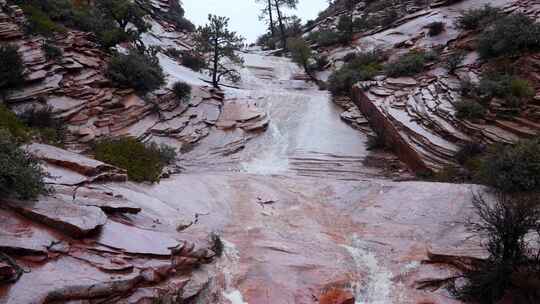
(409, 64)
(10, 123)
(223, 44)
(436, 28)
(510, 36)
(469, 109)
(176, 16)
(142, 162)
(11, 68)
(454, 61)
(182, 91)
(509, 230)
(51, 51)
(38, 22)
(301, 53)
(513, 168)
(21, 176)
(136, 70)
(359, 67)
(478, 17)
(43, 124)
(326, 38)
(193, 61)
(512, 89)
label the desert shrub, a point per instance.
(512, 168)
(469, 151)
(182, 91)
(510, 36)
(136, 70)
(454, 60)
(301, 53)
(167, 154)
(10, 122)
(142, 162)
(38, 22)
(475, 18)
(469, 109)
(193, 61)
(360, 67)
(376, 142)
(44, 124)
(321, 61)
(326, 38)
(514, 90)
(436, 28)
(408, 64)
(21, 176)
(11, 68)
(504, 225)
(51, 51)
(176, 15)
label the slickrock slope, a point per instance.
(417, 115)
(76, 87)
(85, 242)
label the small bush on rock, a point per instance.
(359, 67)
(509, 228)
(51, 51)
(136, 70)
(43, 124)
(10, 123)
(409, 64)
(513, 168)
(436, 28)
(475, 18)
(11, 68)
(193, 61)
(21, 176)
(510, 36)
(469, 109)
(454, 61)
(142, 162)
(326, 38)
(182, 91)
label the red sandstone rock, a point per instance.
(337, 296)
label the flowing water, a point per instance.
(283, 204)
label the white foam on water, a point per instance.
(235, 297)
(271, 161)
(228, 264)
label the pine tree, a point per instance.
(221, 44)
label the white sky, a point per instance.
(244, 14)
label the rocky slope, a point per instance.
(417, 114)
(300, 214)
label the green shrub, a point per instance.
(359, 67)
(182, 91)
(515, 91)
(468, 152)
(475, 18)
(512, 168)
(508, 228)
(21, 176)
(409, 64)
(327, 38)
(142, 162)
(51, 51)
(176, 16)
(10, 123)
(469, 109)
(510, 36)
(436, 28)
(38, 22)
(43, 124)
(454, 61)
(136, 70)
(193, 61)
(11, 68)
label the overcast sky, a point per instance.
(244, 13)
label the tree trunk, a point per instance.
(281, 26)
(216, 62)
(272, 27)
